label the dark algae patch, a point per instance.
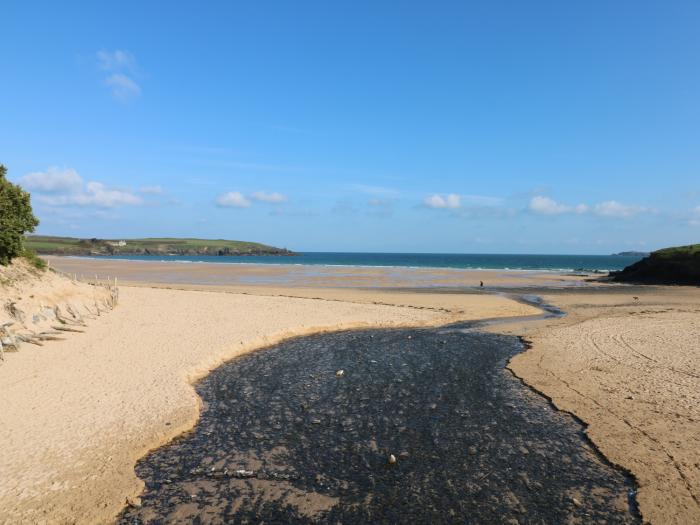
(421, 426)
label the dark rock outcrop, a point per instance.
(680, 265)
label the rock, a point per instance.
(242, 473)
(472, 450)
(133, 502)
(340, 373)
(404, 455)
(391, 459)
(316, 421)
(576, 502)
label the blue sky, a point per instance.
(491, 127)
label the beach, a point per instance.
(80, 413)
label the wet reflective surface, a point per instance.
(285, 437)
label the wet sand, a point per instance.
(285, 437)
(304, 276)
(630, 369)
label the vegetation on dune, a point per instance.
(16, 219)
(676, 265)
(148, 246)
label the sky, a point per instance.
(442, 126)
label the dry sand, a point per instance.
(630, 369)
(77, 414)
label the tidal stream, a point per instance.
(305, 431)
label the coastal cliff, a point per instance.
(678, 265)
(49, 245)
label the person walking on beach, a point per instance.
(481, 284)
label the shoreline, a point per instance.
(169, 259)
(312, 276)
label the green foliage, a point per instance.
(33, 259)
(679, 251)
(157, 246)
(16, 218)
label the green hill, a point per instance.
(49, 245)
(678, 265)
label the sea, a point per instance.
(560, 263)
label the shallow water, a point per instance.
(283, 438)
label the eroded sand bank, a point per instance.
(627, 362)
(78, 414)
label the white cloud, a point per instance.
(379, 191)
(115, 60)
(451, 201)
(617, 209)
(232, 199)
(64, 187)
(120, 66)
(547, 206)
(612, 208)
(123, 87)
(53, 180)
(151, 190)
(270, 197)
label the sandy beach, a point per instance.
(79, 413)
(627, 363)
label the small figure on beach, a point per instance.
(481, 284)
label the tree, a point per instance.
(16, 218)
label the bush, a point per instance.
(33, 259)
(16, 218)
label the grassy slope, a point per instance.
(71, 245)
(677, 265)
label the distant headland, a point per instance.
(50, 245)
(631, 254)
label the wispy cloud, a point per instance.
(151, 190)
(269, 197)
(53, 180)
(64, 187)
(233, 199)
(113, 60)
(617, 209)
(695, 217)
(123, 87)
(546, 206)
(378, 191)
(120, 67)
(451, 201)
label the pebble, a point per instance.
(340, 373)
(392, 459)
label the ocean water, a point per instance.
(417, 260)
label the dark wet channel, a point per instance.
(285, 438)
